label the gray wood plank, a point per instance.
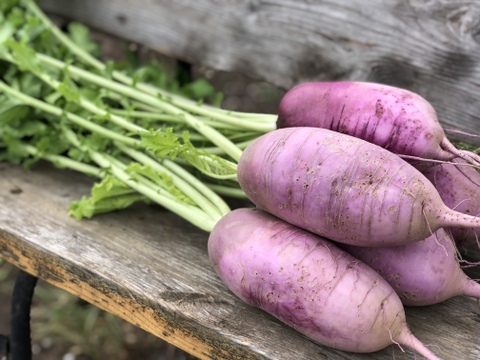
(430, 47)
(151, 268)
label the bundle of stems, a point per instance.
(144, 142)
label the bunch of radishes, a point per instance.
(349, 221)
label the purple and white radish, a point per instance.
(423, 273)
(343, 188)
(393, 118)
(459, 188)
(308, 283)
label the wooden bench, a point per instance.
(150, 267)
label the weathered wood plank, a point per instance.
(151, 268)
(430, 47)
(146, 266)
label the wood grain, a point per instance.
(151, 268)
(428, 46)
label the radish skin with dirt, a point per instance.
(423, 273)
(459, 188)
(308, 283)
(396, 119)
(343, 188)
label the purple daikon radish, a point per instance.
(459, 188)
(393, 118)
(422, 273)
(343, 188)
(308, 283)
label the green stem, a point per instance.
(216, 151)
(199, 185)
(186, 104)
(146, 187)
(83, 55)
(154, 115)
(228, 191)
(258, 124)
(138, 177)
(213, 209)
(215, 137)
(41, 105)
(78, 120)
(155, 193)
(88, 105)
(63, 161)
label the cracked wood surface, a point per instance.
(151, 268)
(428, 46)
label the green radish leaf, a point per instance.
(6, 31)
(199, 89)
(31, 28)
(31, 85)
(29, 128)
(167, 144)
(96, 142)
(109, 68)
(147, 171)
(53, 97)
(16, 16)
(16, 120)
(108, 195)
(110, 187)
(79, 155)
(23, 56)
(160, 178)
(162, 143)
(80, 35)
(87, 208)
(68, 88)
(7, 5)
(15, 152)
(52, 142)
(11, 109)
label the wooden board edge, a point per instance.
(127, 306)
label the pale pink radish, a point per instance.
(459, 188)
(423, 273)
(343, 188)
(393, 118)
(308, 283)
